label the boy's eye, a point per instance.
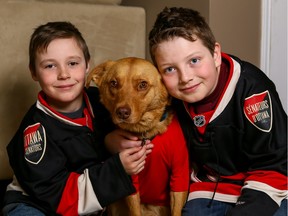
(195, 60)
(49, 66)
(73, 63)
(169, 70)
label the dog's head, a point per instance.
(132, 91)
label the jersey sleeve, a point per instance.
(265, 146)
(96, 188)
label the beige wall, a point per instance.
(237, 26)
(153, 7)
(236, 23)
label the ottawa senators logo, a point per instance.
(258, 110)
(34, 143)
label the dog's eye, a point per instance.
(113, 83)
(142, 85)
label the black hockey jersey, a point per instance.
(242, 155)
(61, 165)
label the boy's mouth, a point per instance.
(190, 89)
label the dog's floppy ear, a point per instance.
(96, 74)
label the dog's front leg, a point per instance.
(177, 201)
(133, 203)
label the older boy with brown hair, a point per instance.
(235, 125)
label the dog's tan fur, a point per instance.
(132, 91)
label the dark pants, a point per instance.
(21, 209)
(199, 207)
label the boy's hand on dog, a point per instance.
(119, 140)
(133, 159)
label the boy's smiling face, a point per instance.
(60, 71)
(190, 72)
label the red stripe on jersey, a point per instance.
(238, 176)
(224, 188)
(68, 205)
(271, 178)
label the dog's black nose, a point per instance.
(123, 112)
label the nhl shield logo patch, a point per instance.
(258, 110)
(199, 120)
(34, 143)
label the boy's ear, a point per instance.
(33, 74)
(217, 55)
(87, 67)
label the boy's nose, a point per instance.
(185, 76)
(63, 73)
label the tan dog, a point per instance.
(132, 91)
